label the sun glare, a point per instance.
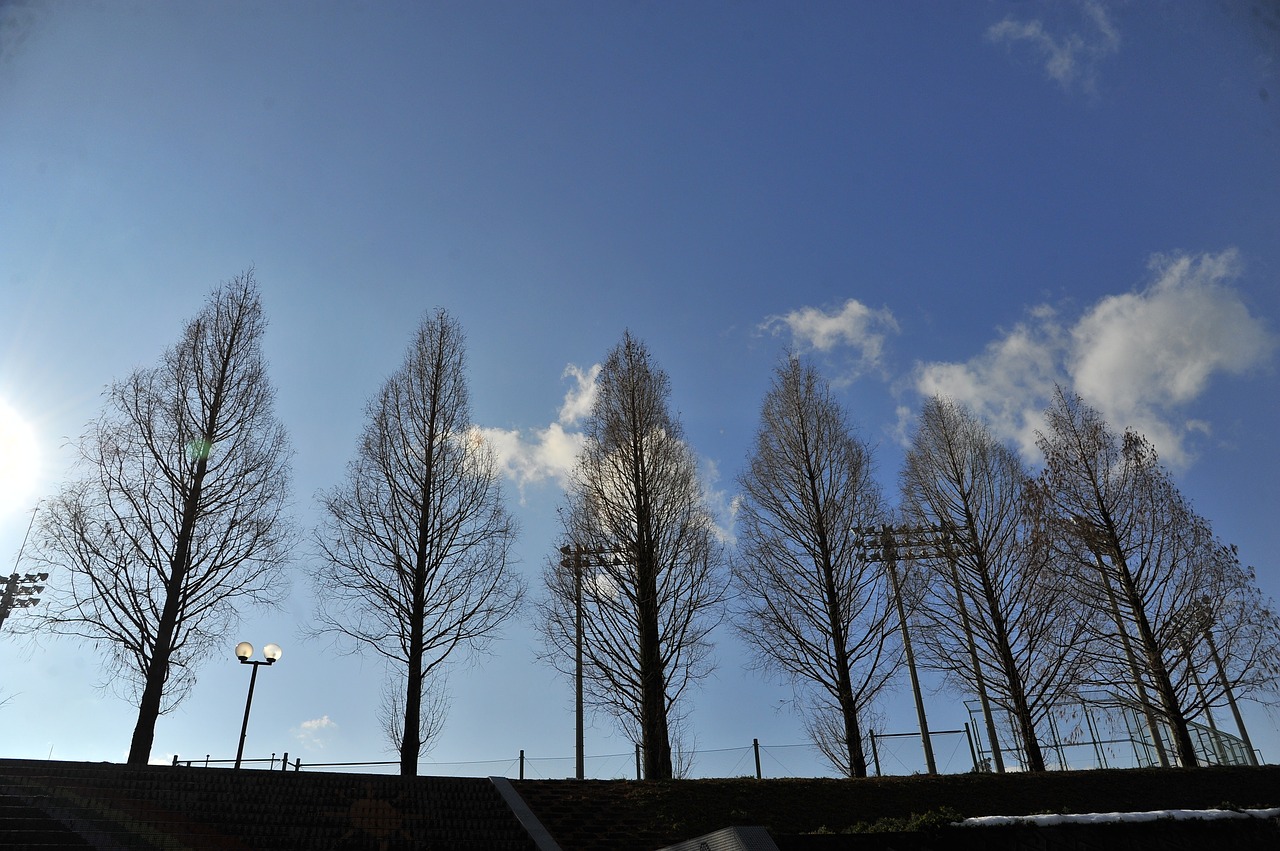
(19, 461)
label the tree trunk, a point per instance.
(997, 757)
(1169, 705)
(844, 685)
(410, 735)
(852, 734)
(655, 733)
(1017, 691)
(144, 731)
(1153, 727)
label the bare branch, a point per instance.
(649, 564)
(991, 603)
(416, 542)
(812, 607)
(178, 519)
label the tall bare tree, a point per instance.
(1224, 633)
(1133, 547)
(813, 608)
(993, 603)
(179, 517)
(416, 542)
(652, 590)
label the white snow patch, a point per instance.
(1103, 818)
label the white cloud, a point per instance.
(854, 324)
(582, 396)
(314, 734)
(1140, 358)
(1009, 384)
(1071, 54)
(551, 452)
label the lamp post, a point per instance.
(244, 650)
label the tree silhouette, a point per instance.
(416, 542)
(178, 519)
(654, 590)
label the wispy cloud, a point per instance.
(314, 734)
(551, 452)
(722, 503)
(1071, 51)
(853, 325)
(1141, 358)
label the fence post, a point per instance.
(175, 760)
(284, 762)
(522, 763)
(206, 760)
(1057, 742)
(973, 753)
(755, 746)
(638, 777)
(297, 765)
(875, 754)
(1093, 735)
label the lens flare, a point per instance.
(19, 461)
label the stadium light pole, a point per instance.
(887, 544)
(572, 559)
(576, 558)
(244, 650)
(20, 590)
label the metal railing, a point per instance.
(1080, 738)
(893, 753)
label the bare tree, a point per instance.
(416, 542)
(812, 606)
(1134, 550)
(178, 519)
(1228, 634)
(653, 590)
(995, 622)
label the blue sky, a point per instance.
(982, 199)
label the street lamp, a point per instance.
(244, 650)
